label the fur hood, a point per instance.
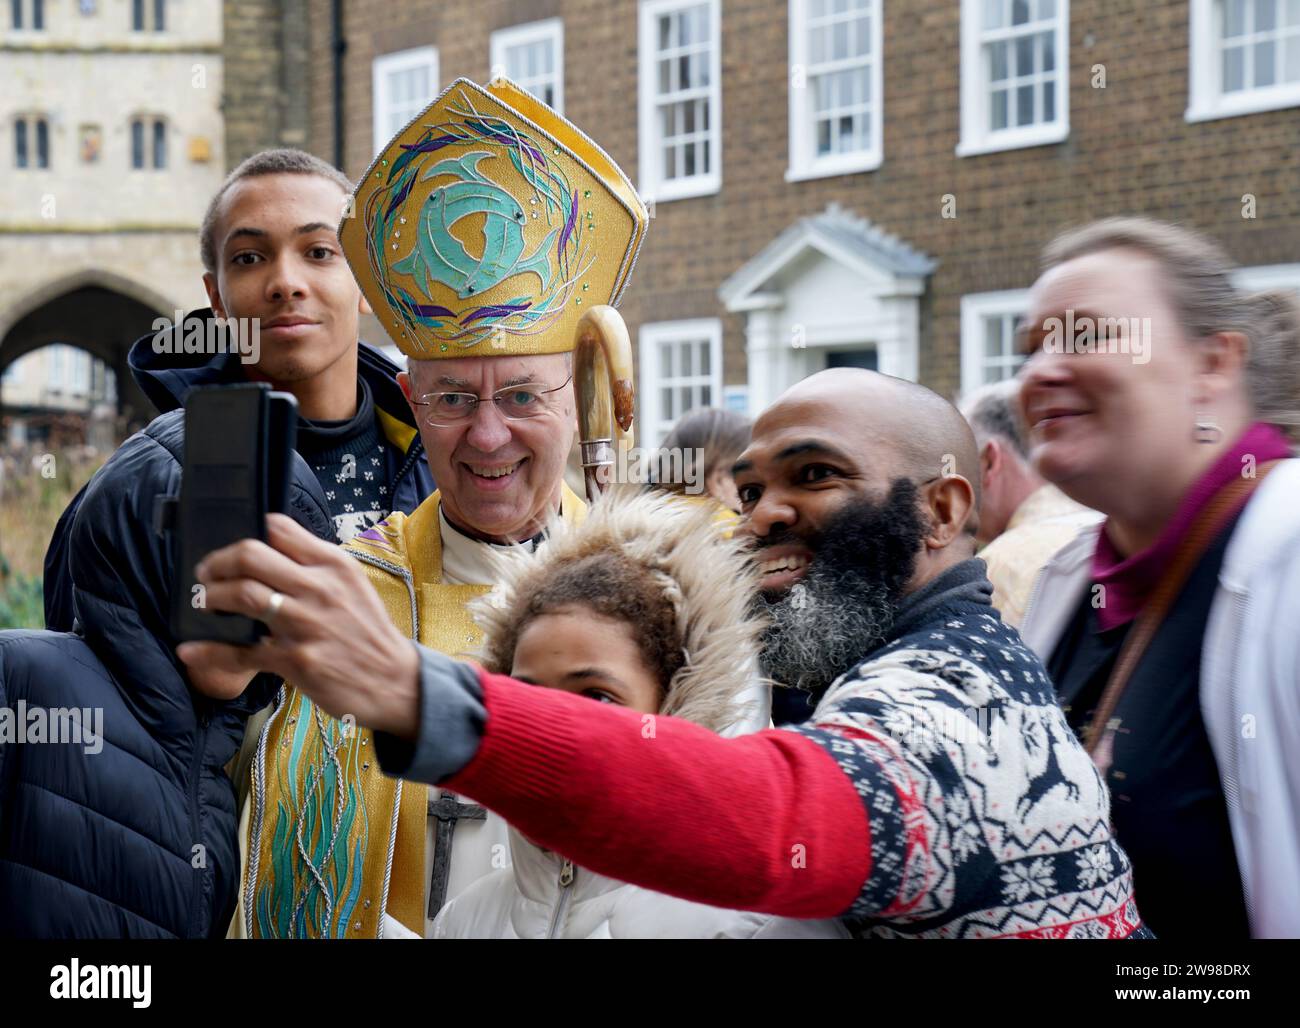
(704, 570)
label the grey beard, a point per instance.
(820, 628)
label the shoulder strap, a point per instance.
(1209, 522)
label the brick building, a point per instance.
(264, 51)
(858, 181)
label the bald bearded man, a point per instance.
(829, 612)
(936, 791)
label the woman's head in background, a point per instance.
(701, 448)
(1180, 358)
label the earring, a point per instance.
(1207, 429)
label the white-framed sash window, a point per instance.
(1244, 57)
(1014, 74)
(836, 87)
(402, 85)
(680, 98)
(532, 56)
(681, 369)
(988, 336)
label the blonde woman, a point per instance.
(1170, 631)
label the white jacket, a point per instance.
(543, 896)
(1250, 686)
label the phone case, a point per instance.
(239, 441)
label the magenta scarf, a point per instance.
(1129, 581)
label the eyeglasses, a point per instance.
(516, 403)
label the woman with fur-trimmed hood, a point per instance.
(646, 605)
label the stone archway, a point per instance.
(101, 313)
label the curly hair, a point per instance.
(668, 568)
(609, 585)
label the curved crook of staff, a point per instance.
(602, 375)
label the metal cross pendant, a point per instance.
(448, 810)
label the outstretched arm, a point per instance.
(764, 822)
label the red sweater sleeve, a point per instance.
(764, 822)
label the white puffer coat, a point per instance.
(544, 896)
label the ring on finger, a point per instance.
(272, 608)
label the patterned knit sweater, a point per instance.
(937, 791)
(987, 817)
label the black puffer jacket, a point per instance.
(138, 839)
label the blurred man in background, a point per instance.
(1024, 519)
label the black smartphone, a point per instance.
(239, 443)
